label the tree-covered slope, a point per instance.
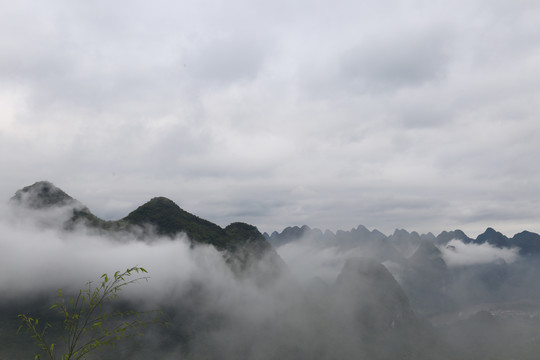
(158, 217)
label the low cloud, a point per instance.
(457, 253)
(308, 261)
(35, 256)
(213, 313)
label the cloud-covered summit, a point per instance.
(241, 244)
(40, 195)
(343, 294)
(212, 293)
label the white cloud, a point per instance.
(36, 256)
(457, 253)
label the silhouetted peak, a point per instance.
(527, 234)
(426, 250)
(40, 195)
(362, 228)
(169, 219)
(162, 202)
(378, 234)
(400, 232)
(528, 242)
(157, 207)
(361, 231)
(446, 236)
(293, 231)
(490, 230)
(243, 231)
(493, 237)
(429, 236)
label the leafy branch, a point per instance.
(87, 324)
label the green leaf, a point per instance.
(84, 315)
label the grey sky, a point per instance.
(392, 114)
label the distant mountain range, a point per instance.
(416, 259)
(167, 219)
(379, 326)
(375, 308)
(406, 242)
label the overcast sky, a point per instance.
(421, 115)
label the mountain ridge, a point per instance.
(376, 308)
(527, 242)
(243, 244)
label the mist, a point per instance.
(211, 310)
(36, 256)
(331, 301)
(457, 253)
(308, 260)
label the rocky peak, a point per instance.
(169, 219)
(446, 236)
(528, 242)
(42, 194)
(426, 251)
(493, 237)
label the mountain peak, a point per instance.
(42, 194)
(147, 211)
(445, 237)
(162, 203)
(493, 237)
(426, 250)
(169, 219)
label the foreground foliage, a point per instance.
(88, 322)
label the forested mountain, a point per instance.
(242, 244)
(234, 293)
